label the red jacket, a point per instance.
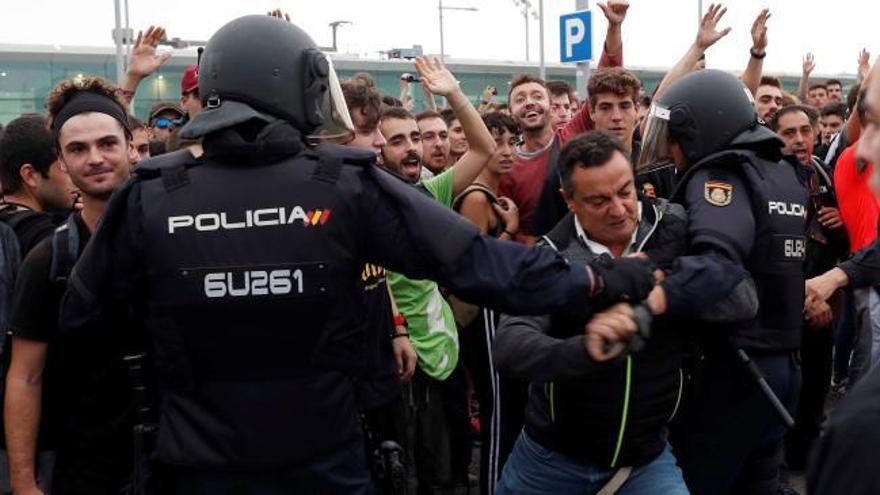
(858, 205)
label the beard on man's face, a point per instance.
(533, 118)
(410, 166)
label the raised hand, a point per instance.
(404, 83)
(809, 64)
(489, 93)
(436, 78)
(144, 60)
(615, 11)
(409, 103)
(277, 13)
(759, 31)
(709, 34)
(864, 64)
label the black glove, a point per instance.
(624, 279)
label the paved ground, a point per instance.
(799, 482)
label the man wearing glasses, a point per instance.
(164, 116)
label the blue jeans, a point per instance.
(534, 469)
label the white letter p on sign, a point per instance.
(574, 34)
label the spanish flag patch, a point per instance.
(718, 193)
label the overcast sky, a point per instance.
(656, 32)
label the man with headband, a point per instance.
(61, 395)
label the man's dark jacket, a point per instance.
(611, 414)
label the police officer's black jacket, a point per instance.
(610, 414)
(749, 209)
(246, 266)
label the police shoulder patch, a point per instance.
(718, 193)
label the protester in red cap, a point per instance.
(189, 91)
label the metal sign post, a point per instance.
(576, 43)
(541, 68)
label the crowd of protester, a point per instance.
(534, 166)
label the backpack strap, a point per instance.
(10, 259)
(820, 170)
(15, 215)
(551, 206)
(65, 251)
(23, 222)
(476, 186)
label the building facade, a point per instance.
(28, 72)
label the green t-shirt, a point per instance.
(431, 324)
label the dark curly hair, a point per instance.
(615, 80)
(362, 96)
(62, 93)
(500, 122)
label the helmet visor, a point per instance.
(655, 152)
(337, 126)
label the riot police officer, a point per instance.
(244, 267)
(746, 207)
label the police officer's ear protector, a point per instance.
(317, 71)
(213, 100)
(683, 130)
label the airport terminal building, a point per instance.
(28, 72)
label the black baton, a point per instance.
(765, 387)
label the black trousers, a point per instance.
(340, 472)
(844, 337)
(729, 440)
(502, 399)
(455, 404)
(426, 440)
(816, 363)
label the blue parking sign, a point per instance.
(576, 36)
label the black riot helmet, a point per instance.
(705, 112)
(261, 67)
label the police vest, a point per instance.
(776, 261)
(254, 304)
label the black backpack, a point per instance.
(13, 222)
(10, 261)
(66, 245)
